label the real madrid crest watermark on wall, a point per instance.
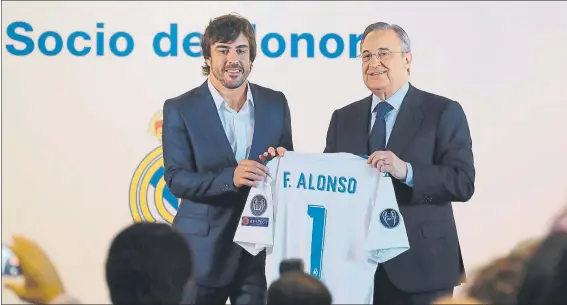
(149, 198)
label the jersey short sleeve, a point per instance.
(387, 236)
(255, 231)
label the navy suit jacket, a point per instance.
(199, 168)
(431, 132)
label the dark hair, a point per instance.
(148, 263)
(557, 294)
(292, 264)
(225, 29)
(498, 281)
(298, 288)
(541, 270)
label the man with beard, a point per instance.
(213, 138)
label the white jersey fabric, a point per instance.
(333, 211)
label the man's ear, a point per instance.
(408, 59)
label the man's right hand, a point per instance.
(249, 173)
(272, 153)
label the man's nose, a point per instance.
(375, 61)
(232, 57)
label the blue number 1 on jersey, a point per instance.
(319, 215)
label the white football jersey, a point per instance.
(333, 211)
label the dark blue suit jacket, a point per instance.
(199, 168)
(432, 133)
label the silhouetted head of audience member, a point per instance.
(298, 288)
(148, 263)
(525, 249)
(498, 281)
(558, 288)
(540, 271)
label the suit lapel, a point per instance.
(261, 123)
(212, 125)
(360, 126)
(407, 123)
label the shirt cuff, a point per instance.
(409, 176)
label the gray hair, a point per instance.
(404, 37)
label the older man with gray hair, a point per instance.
(423, 142)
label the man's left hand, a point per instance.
(388, 162)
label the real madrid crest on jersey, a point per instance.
(150, 198)
(389, 218)
(258, 205)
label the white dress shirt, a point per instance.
(238, 125)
